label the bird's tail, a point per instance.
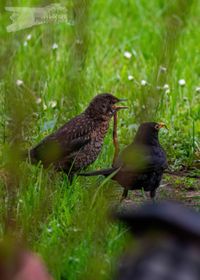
(103, 172)
(29, 155)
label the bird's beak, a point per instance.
(116, 107)
(162, 125)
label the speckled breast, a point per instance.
(90, 152)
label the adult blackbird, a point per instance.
(77, 143)
(141, 164)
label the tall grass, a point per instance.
(68, 224)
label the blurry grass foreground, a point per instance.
(48, 74)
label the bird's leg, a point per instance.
(152, 195)
(124, 195)
(115, 139)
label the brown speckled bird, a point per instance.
(78, 143)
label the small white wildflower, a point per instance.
(127, 54)
(19, 83)
(29, 36)
(54, 46)
(197, 89)
(166, 86)
(44, 106)
(38, 100)
(79, 42)
(167, 91)
(53, 103)
(163, 69)
(49, 230)
(25, 43)
(182, 82)
(74, 259)
(130, 77)
(143, 83)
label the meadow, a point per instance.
(145, 51)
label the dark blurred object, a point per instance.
(141, 164)
(78, 143)
(18, 264)
(169, 237)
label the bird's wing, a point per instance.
(66, 140)
(157, 159)
(136, 158)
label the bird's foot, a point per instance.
(126, 200)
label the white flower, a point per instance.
(166, 86)
(25, 43)
(49, 230)
(54, 46)
(29, 36)
(53, 103)
(167, 91)
(79, 42)
(197, 89)
(143, 83)
(44, 106)
(38, 100)
(130, 77)
(75, 229)
(163, 69)
(127, 54)
(19, 83)
(181, 82)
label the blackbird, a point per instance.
(167, 238)
(77, 143)
(141, 164)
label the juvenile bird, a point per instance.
(141, 164)
(77, 143)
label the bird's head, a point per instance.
(148, 133)
(104, 105)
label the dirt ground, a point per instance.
(178, 188)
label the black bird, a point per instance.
(141, 164)
(167, 235)
(77, 143)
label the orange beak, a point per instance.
(116, 108)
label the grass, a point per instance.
(75, 238)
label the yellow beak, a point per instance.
(161, 125)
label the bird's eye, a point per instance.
(157, 127)
(104, 107)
